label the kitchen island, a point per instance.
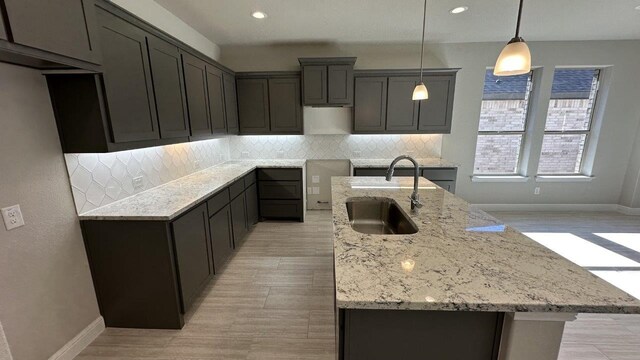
(464, 286)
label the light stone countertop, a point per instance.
(168, 201)
(384, 163)
(465, 260)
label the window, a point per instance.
(566, 132)
(503, 123)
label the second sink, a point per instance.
(379, 216)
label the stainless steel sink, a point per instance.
(379, 216)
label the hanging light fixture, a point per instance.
(515, 58)
(420, 92)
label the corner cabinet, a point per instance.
(327, 81)
(151, 91)
(269, 103)
(383, 102)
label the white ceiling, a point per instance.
(382, 21)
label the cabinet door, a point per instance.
(340, 79)
(370, 105)
(193, 253)
(251, 196)
(231, 103)
(221, 237)
(168, 86)
(59, 26)
(127, 80)
(314, 78)
(435, 112)
(195, 79)
(239, 219)
(216, 100)
(253, 106)
(284, 105)
(402, 112)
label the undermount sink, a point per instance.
(379, 216)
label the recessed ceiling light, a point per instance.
(258, 15)
(459, 9)
(638, 7)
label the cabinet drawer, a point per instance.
(279, 174)
(280, 189)
(281, 209)
(382, 172)
(218, 201)
(236, 188)
(249, 179)
(440, 173)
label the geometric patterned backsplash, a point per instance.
(334, 146)
(100, 179)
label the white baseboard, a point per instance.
(550, 207)
(75, 346)
(628, 210)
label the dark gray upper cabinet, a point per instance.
(436, 112)
(168, 86)
(253, 106)
(127, 80)
(215, 95)
(284, 105)
(193, 253)
(402, 112)
(221, 237)
(231, 103)
(195, 79)
(389, 109)
(370, 105)
(315, 84)
(3, 31)
(59, 27)
(327, 81)
(340, 79)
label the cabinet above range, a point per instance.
(327, 81)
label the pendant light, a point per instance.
(420, 92)
(515, 58)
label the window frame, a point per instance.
(586, 132)
(523, 133)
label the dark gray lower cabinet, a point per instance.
(280, 192)
(193, 253)
(408, 334)
(444, 177)
(253, 212)
(221, 237)
(239, 219)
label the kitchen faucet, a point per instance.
(415, 199)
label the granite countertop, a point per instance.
(464, 260)
(168, 201)
(384, 163)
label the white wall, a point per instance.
(630, 195)
(620, 116)
(153, 13)
(46, 292)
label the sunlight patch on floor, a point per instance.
(629, 240)
(627, 281)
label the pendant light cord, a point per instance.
(424, 23)
(519, 17)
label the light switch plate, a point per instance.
(315, 179)
(309, 190)
(12, 217)
(138, 183)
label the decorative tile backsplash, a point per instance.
(100, 179)
(334, 146)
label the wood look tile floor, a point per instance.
(274, 299)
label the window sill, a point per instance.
(499, 178)
(564, 178)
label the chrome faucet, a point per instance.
(415, 198)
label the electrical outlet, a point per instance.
(12, 217)
(315, 179)
(316, 190)
(536, 191)
(245, 154)
(280, 154)
(138, 183)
